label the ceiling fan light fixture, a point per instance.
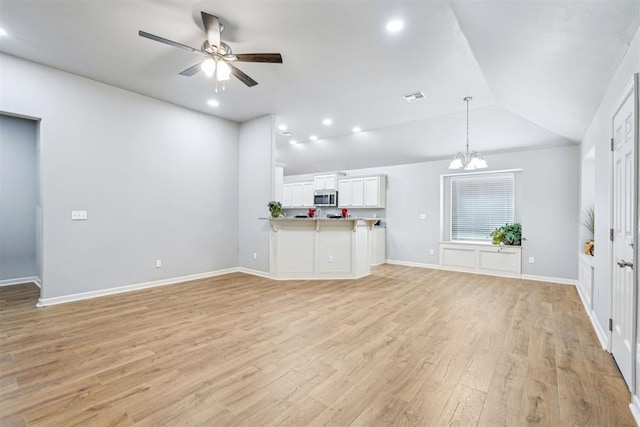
(209, 67)
(468, 160)
(224, 71)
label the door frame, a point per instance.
(630, 90)
(40, 195)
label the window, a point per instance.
(480, 203)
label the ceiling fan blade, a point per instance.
(242, 76)
(212, 28)
(273, 58)
(169, 42)
(192, 70)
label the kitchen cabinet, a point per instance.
(326, 182)
(297, 195)
(375, 190)
(364, 192)
(377, 245)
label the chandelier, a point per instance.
(468, 160)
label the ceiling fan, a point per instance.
(218, 53)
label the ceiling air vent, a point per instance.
(414, 97)
(286, 133)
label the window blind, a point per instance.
(480, 203)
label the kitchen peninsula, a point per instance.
(320, 248)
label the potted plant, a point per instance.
(590, 224)
(275, 208)
(508, 234)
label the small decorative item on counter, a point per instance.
(275, 208)
(312, 212)
(588, 247)
(345, 212)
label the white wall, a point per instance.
(598, 136)
(157, 180)
(549, 208)
(18, 198)
(256, 188)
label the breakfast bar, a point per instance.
(320, 248)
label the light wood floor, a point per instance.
(405, 346)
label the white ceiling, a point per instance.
(536, 69)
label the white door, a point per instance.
(623, 290)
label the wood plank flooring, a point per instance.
(404, 346)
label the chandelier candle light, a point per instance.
(468, 160)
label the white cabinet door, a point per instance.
(330, 182)
(344, 193)
(287, 195)
(308, 189)
(357, 193)
(371, 192)
(325, 182)
(298, 195)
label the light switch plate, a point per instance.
(423, 216)
(78, 215)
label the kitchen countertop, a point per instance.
(290, 218)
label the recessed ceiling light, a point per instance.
(282, 127)
(356, 129)
(394, 26)
(3, 32)
(213, 103)
(313, 138)
(293, 142)
(327, 122)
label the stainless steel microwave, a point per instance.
(325, 198)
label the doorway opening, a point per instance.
(21, 275)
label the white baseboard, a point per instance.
(634, 406)
(44, 302)
(547, 279)
(20, 280)
(603, 337)
(254, 272)
(412, 264)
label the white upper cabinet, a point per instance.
(287, 195)
(365, 192)
(326, 182)
(297, 195)
(344, 193)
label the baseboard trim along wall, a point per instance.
(21, 280)
(600, 333)
(634, 406)
(44, 302)
(558, 280)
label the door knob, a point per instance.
(622, 264)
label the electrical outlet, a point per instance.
(158, 263)
(255, 255)
(432, 252)
(531, 260)
(423, 216)
(330, 258)
(78, 215)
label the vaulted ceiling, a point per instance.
(537, 70)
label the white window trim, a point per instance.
(442, 204)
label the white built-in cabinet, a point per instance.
(363, 192)
(297, 195)
(325, 182)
